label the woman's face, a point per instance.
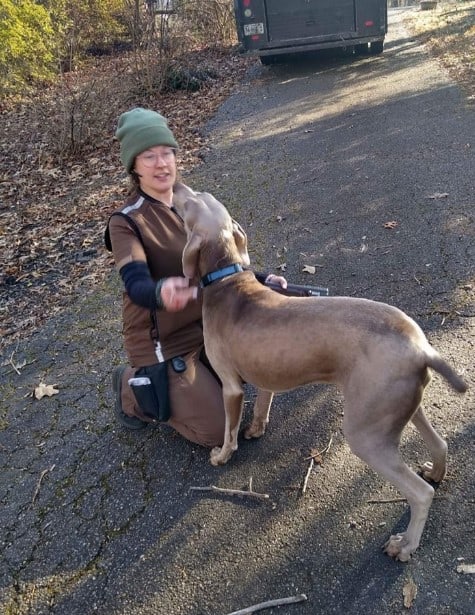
(156, 168)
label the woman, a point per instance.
(161, 312)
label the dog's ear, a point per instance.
(240, 238)
(191, 255)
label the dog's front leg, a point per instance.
(233, 405)
(260, 416)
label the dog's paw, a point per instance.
(398, 548)
(215, 456)
(255, 430)
(219, 456)
(433, 474)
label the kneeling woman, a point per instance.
(169, 378)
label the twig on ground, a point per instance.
(390, 501)
(395, 500)
(16, 366)
(307, 476)
(38, 485)
(13, 364)
(315, 457)
(238, 492)
(269, 604)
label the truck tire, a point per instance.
(362, 49)
(266, 60)
(376, 47)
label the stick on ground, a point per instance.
(307, 476)
(269, 604)
(315, 457)
(38, 485)
(238, 492)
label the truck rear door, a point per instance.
(301, 19)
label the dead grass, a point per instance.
(449, 34)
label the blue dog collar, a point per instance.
(214, 276)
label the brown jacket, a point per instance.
(164, 237)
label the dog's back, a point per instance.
(279, 343)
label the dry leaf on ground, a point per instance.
(438, 195)
(466, 568)
(409, 591)
(47, 390)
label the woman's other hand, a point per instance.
(175, 293)
(276, 279)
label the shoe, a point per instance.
(130, 422)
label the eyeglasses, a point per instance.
(150, 159)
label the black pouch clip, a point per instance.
(178, 364)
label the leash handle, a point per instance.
(299, 290)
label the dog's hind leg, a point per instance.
(260, 417)
(373, 424)
(233, 396)
(419, 495)
(436, 469)
(382, 454)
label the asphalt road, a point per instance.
(314, 158)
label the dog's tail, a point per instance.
(436, 362)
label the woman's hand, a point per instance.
(276, 279)
(176, 292)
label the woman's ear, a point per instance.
(240, 239)
(191, 255)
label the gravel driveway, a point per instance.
(363, 169)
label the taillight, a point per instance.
(246, 2)
(369, 23)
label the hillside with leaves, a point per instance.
(53, 213)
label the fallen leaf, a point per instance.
(466, 568)
(438, 195)
(409, 591)
(392, 224)
(45, 389)
(282, 267)
(309, 269)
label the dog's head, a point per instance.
(215, 240)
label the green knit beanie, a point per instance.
(140, 129)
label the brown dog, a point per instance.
(376, 354)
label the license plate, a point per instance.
(253, 28)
